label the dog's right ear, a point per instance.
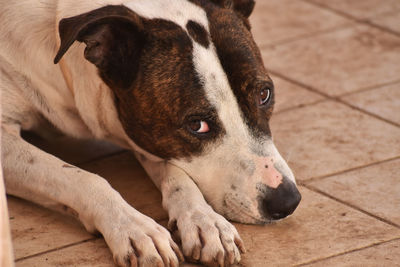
(114, 37)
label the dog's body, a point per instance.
(159, 78)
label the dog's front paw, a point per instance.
(207, 237)
(137, 240)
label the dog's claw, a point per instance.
(239, 243)
(177, 251)
(196, 252)
(133, 260)
(220, 258)
(233, 252)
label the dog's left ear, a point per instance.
(244, 7)
(114, 38)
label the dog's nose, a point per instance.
(283, 200)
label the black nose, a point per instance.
(282, 201)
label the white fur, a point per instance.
(178, 11)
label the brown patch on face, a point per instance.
(198, 33)
(242, 62)
(148, 64)
(167, 96)
(245, 7)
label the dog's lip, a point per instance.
(233, 208)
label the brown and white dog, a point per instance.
(181, 83)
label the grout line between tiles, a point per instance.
(368, 113)
(319, 178)
(333, 98)
(309, 88)
(387, 13)
(55, 249)
(365, 21)
(300, 106)
(306, 36)
(361, 90)
(369, 88)
(316, 190)
(347, 252)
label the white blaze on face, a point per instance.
(177, 11)
(228, 170)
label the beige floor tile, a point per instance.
(329, 137)
(340, 61)
(385, 255)
(390, 21)
(35, 229)
(375, 189)
(72, 150)
(126, 175)
(91, 253)
(289, 95)
(384, 102)
(274, 21)
(320, 227)
(361, 9)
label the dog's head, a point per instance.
(191, 87)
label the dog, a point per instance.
(182, 84)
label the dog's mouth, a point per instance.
(242, 211)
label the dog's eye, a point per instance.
(265, 95)
(199, 126)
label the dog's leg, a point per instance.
(206, 236)
(134, 238)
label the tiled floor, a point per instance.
(336, 67)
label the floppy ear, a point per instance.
(244, 7)
(114, 38)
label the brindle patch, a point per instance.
(242, 62)
(243, 7)
(157, 90)
(166, 97)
